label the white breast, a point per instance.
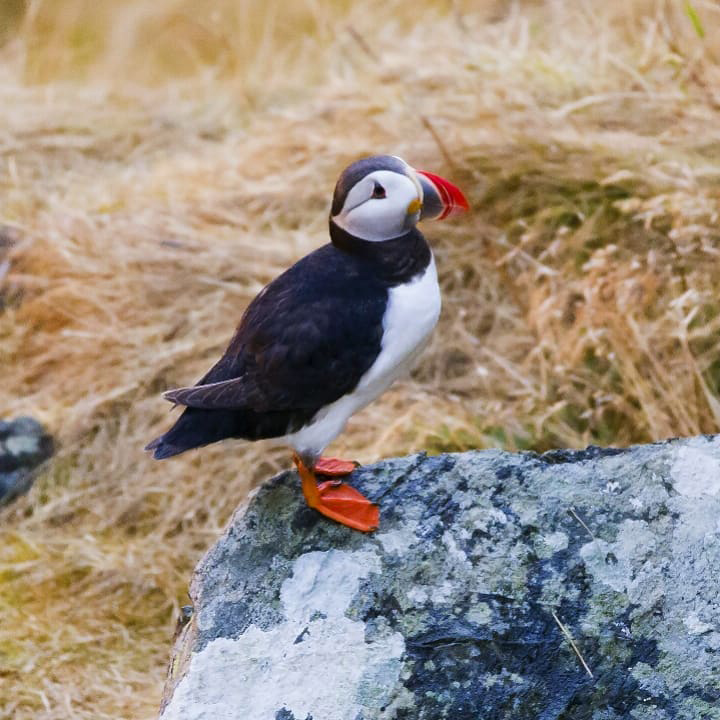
(412, 313)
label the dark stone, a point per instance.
(186, 612)
(24, 446)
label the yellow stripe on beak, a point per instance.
(414, 207)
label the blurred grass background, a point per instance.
(160, 162)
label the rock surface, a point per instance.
(567, 586)
(24, 445)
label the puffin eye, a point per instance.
(378, 191)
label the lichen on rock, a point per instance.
(500, 586)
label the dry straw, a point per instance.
(161, 161)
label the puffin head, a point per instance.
(382, 197)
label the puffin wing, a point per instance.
(304, 341)
(226, 394)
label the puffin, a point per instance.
(329, 335)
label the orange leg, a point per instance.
(338, 501)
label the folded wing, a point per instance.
(305, 341)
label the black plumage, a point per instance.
(305, 341)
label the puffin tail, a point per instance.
(164, 449)
(195, 428)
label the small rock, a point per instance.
(9, 237)
(24, 445)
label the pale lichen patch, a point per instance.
(696, 470)
(480, 614)
(548, 544)
(288, 666)
(453, 550)
(613, 563)
(696, 626)
(398, 540)
(325, 582)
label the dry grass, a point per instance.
(161, 161)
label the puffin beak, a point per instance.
(440, 197)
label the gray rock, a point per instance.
(24, 445)
(571, 585)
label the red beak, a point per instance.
(442, 198)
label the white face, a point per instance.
(381, 206)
